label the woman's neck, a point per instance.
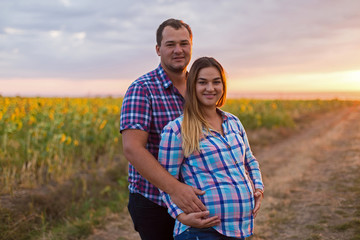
(210, 114)
(214, 119)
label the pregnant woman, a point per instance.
(208, 149)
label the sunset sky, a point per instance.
(93, 48)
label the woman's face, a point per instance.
(209, 87)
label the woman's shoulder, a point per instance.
(234, 120)
(174, 125)
(231, 117)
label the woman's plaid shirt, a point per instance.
(219, 170)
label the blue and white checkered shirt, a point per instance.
(219, 170)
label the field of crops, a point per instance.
(45, 139)
(50, 139)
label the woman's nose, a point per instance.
(209, 87)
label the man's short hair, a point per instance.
(174, 23)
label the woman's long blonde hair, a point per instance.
(194, 120)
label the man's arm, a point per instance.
(184, 196)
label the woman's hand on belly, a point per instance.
(198, 219)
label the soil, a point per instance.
(311, 183)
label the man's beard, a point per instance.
(177, 69)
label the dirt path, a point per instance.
(312, 182)
(309, 180)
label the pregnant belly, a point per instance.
(229, 202)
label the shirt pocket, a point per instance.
(237, 144)
(213, 156)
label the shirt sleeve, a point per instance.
(251, 164)
(136, 109)
(170, 157)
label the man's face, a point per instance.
(175, 49)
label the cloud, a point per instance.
(13, 31)
(66, 3)
(116, 39)
(79, 36)
(55, 33)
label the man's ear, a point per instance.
(157, 48)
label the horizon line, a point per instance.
(288, 95)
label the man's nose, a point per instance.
(178, 48)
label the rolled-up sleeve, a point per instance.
(136, 109)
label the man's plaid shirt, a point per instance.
(149, 104)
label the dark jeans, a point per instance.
(203, 234)
(151, 220)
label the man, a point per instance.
(149, 104)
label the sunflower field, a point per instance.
(51, 139)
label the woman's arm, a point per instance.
(252, 168)
(171, 158)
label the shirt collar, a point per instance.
(225, 119)
(165, 80)
(222, 113)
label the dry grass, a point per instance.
(60, 210)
